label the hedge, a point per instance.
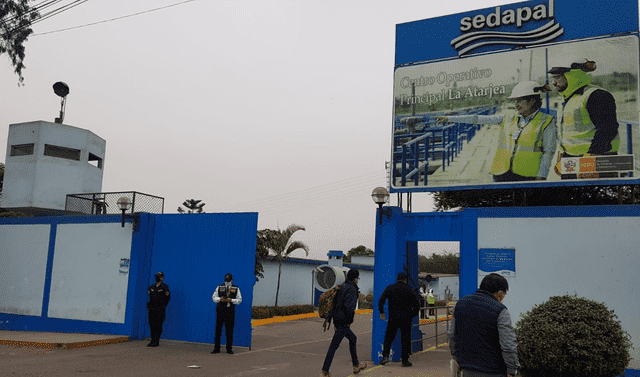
(261, 312)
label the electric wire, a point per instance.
(44, 16)
(112, 19)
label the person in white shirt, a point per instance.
(226, 296)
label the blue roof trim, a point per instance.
(335, 253)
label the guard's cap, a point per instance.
(401, 276)
(160, 273)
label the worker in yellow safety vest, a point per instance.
(588, 124)
(527, 139)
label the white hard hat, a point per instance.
(565, 63)
(526, 88)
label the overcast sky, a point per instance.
(280, 108)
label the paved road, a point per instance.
(295, 348)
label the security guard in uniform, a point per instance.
(588, 125)
(226, 296)
(159, 297)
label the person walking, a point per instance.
(343, 313)
(482, 340)
(404, 304)
(226, 296)
(527, 139)
(159, 296)
(588, 121)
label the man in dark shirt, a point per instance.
(159, 297)
(481, 338)
(343, 313)
(404, 304)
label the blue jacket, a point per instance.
(346, 301)
(476, 337)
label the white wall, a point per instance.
(21, 289)
(86, 282)
(596, 258)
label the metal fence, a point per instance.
(106, 203)
(447, 310)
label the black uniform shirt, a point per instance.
(159, 296)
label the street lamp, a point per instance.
(61, 89)
(380, 196)
(124, 204)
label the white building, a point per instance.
(297, 280)
(46, 161)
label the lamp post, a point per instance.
(61, 89)
(124, 204)
(380, 196)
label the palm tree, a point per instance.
(193, 206)
(279, 243)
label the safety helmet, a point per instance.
(526, 88)
(564, 64)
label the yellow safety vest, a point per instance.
(431, 299)
(576, 129)
(521, 152)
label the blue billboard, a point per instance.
(531, 94)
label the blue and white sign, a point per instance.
(457, 124)
(499, 261)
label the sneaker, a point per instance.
(361, 366)
(230, 352)
(325, 374)
(385, 359)
(215, 351)
(407, 364)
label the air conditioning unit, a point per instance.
(328, 277)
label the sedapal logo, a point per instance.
(473, 39)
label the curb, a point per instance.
(277, 319)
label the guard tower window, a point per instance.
(22, 149)
(95, 160)
(61, 152)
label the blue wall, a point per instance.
(194, 252)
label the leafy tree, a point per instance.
(262, 249)
(279, 244)
(547, 196)
(447, 263)
(16, 17)
(358, 250)
(572, 336)
(192, 205)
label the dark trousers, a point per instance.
(156, 319)
(341, 332)
(405, 337)
(226, 318)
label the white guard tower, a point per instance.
(46, 161)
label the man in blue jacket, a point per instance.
(481, 338)
(343, 313)
(404, 304)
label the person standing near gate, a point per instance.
(481, 339)
(431, 300)
(159, 297)
(404, 304)
(226, 296)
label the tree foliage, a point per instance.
(547, 196)
(447, 263)
(358, 250)
(572, 336)
(279, 244)
(1, 175)
(16, 17)
(192, 205)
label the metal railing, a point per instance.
(106, 203)
(448, 310)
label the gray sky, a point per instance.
(280, 108)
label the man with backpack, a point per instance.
(342, 313)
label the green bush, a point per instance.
(570, 336)
(260, 312)
(365, 301)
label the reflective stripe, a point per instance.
(576, 129)
(521, 156)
